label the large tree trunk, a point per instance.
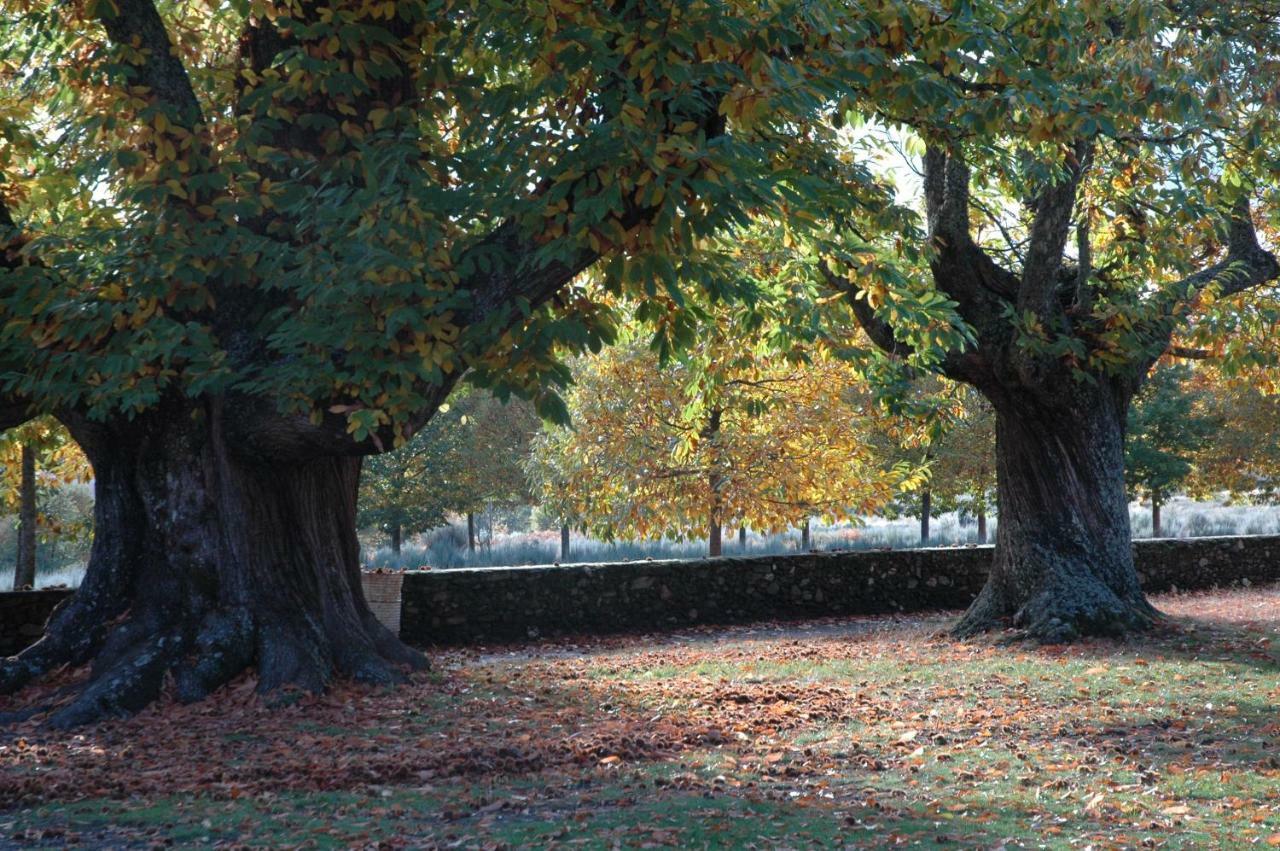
(564, 541)
(397, 535)
(1155, 516)
(24, 575)
(205, 563)
(982, 525)
(1063, 562)
(804, 536)
(742, 538)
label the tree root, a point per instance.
(144, 653)
(1059, 615)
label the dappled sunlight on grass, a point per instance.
(873, 731)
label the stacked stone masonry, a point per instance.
(518, 603)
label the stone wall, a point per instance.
(516, 603)
(504, 604)
(23, 615)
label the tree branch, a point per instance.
(137, 24)
(1050, 227)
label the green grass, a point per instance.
(885, 737)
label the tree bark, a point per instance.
(926, 507)
(742, 538)
(1155, 516)
(1063, 563)
(564, 541)
(471, 531)
(205, 563)
(24, 575)
(396, 537)
(715, 547)
(982, 525)
(804, 536)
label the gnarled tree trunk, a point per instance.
(1063, 562)
(206, 562)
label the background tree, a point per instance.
(268, 238)
(36, 460)
(468, 457)
(1075, 224)
(962, 469)
(402, 492)
(728, 433)
(488, 468)
(1165, 430)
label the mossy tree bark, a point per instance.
(207, 561)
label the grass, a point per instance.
(872, 732)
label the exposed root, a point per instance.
(1059, 615)
(122, 689)
(222, 649)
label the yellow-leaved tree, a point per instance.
(38, 453)
(734, 431)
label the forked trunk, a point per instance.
(205, 563)
(24, 575)
(1063, 563)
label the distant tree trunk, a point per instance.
(926, 506)
(564, 541)
(471, 531)
(24, 575)
(395, 538)
(804, 536)
(742, 538)
(982, 525)
(1063, 563)
(715, 484)
(1155, 516)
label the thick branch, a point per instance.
(1050, 228)
(876, 329)
(137, 24)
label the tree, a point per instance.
(39, 450)
(267, 238)
(488, 466)
(1093, 192)
(400, 491)
(729, 432)
(1242, 459)
(1164, 432)
(468, 456)
(962, 470)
